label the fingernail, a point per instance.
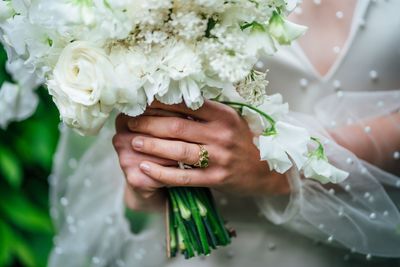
(137, 143)
(145, 167)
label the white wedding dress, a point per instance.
(352, 224)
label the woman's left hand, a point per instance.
(234, 161)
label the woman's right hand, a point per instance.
(142, 193)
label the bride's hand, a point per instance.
(142, 192)
(235, 165)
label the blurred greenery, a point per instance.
(26, 152)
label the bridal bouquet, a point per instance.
(100, 56)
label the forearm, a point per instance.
(376, 141)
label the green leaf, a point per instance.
(10, 167)
(24, 214)
(24, 253)
(5, 244)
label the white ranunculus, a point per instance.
(289, 144)
(86, 120)
(284, 31)
(84, 74)
(321, 170)
(16, 103)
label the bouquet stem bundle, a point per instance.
(195, 226)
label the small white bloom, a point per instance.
(289, 143)
(320, 169)
(256, 122)
(253, 87)
(259, 42)
(273, 105)
(16, 103)
(84, 74)
(283, 30)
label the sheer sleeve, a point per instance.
(360, 213)
(87, 187)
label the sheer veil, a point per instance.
(360, 214)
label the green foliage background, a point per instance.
(26, 152)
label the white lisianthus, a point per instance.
(84, 74)
(16, 103)
(284, 31)
(318, 168)
(288, 144)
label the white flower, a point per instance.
(253, 87)
(6, 10)
(16, 103)
(85, 120)
(273, 105)
(132, 69)
(321, 170)
(178, 76)
(260, 42)
(255, 121)
(84, 74)
(289, 143)
(283, 30)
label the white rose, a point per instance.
(287, 145)
(321, 170)
(84, 74)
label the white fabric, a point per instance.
(357, 216)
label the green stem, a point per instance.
(270, 131)
(214, 217)
(199, 224)
(265, 115)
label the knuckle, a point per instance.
(184, 178)
(178, 127)
(116, 141)
(227, 137)
(226, 159)
(149, 145)
(222, 176)
(125, 161)
(183, 152)
(135, 182)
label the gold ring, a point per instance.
(204, 158)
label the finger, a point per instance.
(137, 202)
(173, 128)
(162, 113)
(128, 157)
(177, 177)
(121, 123)
(210, 111)
(175, 150)
(141, 182)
